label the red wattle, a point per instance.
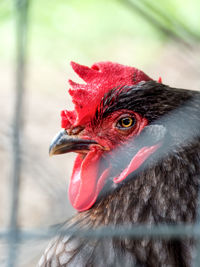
(84, 184)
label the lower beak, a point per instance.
(64, 143)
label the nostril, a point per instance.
(76, 130)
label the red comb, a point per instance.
(99, 79)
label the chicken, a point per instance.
(138, 162)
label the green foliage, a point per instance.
(85, 25)
(76, 29)
(5, 10)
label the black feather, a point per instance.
(164, 190)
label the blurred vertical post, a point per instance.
(21, 19)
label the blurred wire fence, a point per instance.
(16, 235)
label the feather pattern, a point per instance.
(165, 190)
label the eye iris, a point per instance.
(126, 122)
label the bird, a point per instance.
(138, 162)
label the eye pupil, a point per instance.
(126, 122)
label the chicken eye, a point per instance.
(126, 122)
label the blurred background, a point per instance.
(38, 39)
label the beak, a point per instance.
(64, 143)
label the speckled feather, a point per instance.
(164, 191)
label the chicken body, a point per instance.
(162, 190)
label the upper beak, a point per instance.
(64, 143)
